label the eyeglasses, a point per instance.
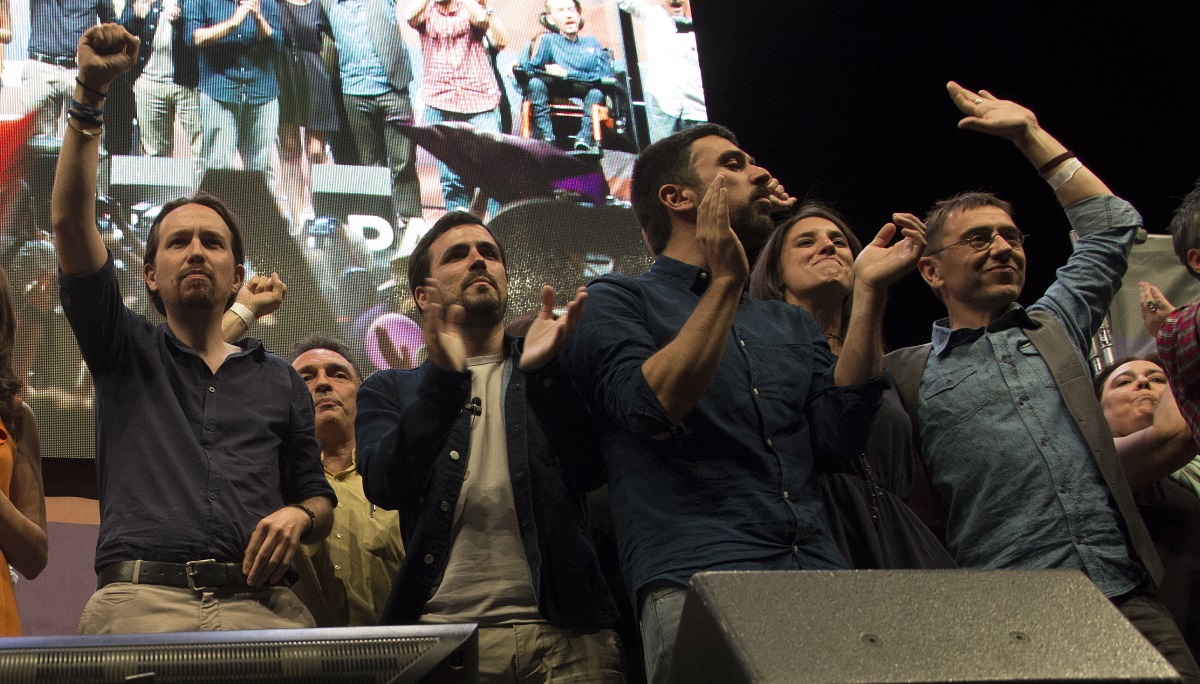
(980, 241)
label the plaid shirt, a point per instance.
(458, 75)
(1180, 352)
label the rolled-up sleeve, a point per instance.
(1085, 286)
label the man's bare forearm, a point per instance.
(73, 199)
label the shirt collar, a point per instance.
(246, 345)
(691, 277)
(348, 469)
(945, 339)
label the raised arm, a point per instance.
(105, 51)
(5, 25)
(260, 296)
(201, 36)
(478, 15)
(412, 13)
(989, 114)
(400, 429)
(679, 373)
(877, 267)
(23, 511)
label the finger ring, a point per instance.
(979, 100)
(1152, 306)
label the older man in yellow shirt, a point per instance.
(345, 579)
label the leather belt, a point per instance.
(202, 575)
(65, 62)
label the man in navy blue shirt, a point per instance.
(239, 93)
(716, 407)
(564, 54)
(49, 76)
(209, 470)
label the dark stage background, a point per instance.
(846, 102)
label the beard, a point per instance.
(752, 229)
(196, 294)
(483, 310)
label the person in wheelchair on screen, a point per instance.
(561, 56)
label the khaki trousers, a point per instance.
(126, 608)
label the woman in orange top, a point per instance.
(23, 507)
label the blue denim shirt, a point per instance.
(239, 68)
(58, 24)
(188, 460)
(732, 488)
(362, 70)
(413, 439)
(1003, 452)
(584, 59)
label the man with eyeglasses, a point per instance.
(1016, 447)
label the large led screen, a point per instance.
(547, 163)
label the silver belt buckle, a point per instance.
(191, 568)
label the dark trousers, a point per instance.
(380, 143)
(1155, 623)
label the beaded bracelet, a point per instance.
(92, 111)
(85, 118)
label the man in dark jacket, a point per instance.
(484, 448)
(165, 77)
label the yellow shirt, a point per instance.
(345, 579)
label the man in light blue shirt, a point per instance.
(239, 93)
(375, 74)
(1016, 447)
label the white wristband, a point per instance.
(1064, 173)
(243, 312)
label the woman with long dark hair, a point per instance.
(809, 261)
(23, 543)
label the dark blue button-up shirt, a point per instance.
(188, 460)
(58, 24)
(1006, 457)
(239, 68)
(732, 488)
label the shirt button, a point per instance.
(785, 494)
(212, 389)
(340, 506)
(445, 506)
(703, 275)
(755, 390)
(212, 495)
(1078, 539)
(454, 455)
(1022, 400)
(770, 443)
(1045, 441)
(1006, 358)
(429, 559)
(337, 567)
(1062, 489)
(742, 342)
(338, 535)
(795, 549)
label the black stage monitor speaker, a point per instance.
(153, 180)
(442, 654)
(907, 626)
(340, 191)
